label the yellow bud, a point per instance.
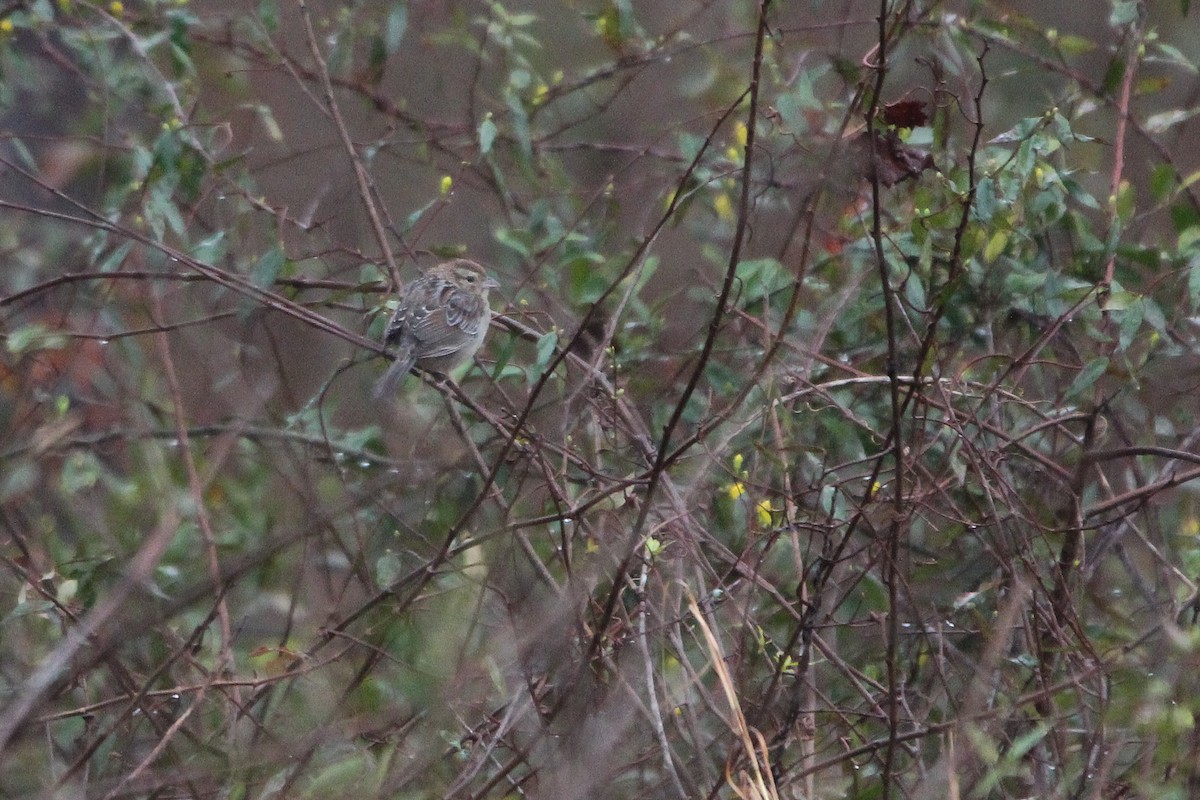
(446, 184)
(116, 8)
(736, 490)
(764, 513)
(724, 207)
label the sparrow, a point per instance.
(440, 321)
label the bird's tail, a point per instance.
(397, 372)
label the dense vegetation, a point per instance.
(836, 436)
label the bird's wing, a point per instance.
(439, 328)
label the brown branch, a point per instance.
(365, 190)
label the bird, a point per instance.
(440, 321)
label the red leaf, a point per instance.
(905, 114)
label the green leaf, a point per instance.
(114, 259)
(34, 336)
(547, 344)
(1113, 75)
(760, 277)
(397, 24)
(17, 480)
(388, 568)
(1151, 85)
(585, 283)
(1073, 45)
(914, 292)
(268, 15)
(267, 268)
(23, 155)
(211, 249)
(267, 117)
(833, 503)
(1123, 13)
(520, 124)
(80, 471)
(411, 220)
(985, 200)
(1019, 132)
(513, 240)
(1088, 376)
(1174, 56)
(1162, 180)
(1157, 123)
(487, 135)
(1194, 280)
(995, 246)
(1131, 323)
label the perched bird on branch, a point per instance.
(440, 322)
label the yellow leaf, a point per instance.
(995, 246)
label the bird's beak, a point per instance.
(491, 283)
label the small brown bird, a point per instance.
(440, 322)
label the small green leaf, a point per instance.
(985, 200)
(1123, 13)
(1151, 85)
(79, 472)
(1125, 201)
(1175, 57)
(24, 156)
(487, 135)
(653, 546)
(1019, 132)
(267, 268)
(546, 347)
(995, 246)
(388, 567)
(210, 249)
(1194, 280)
(268, 15)
(520, 124)
(114, 259)
(1113, 75)
(18, 480)
(411, 220)
(1088, 376)
(1073, 45)
(513, 240)
(585, 283)
(397, 24)
(1131, 323)
(34, 336)
(1162, 179)
(1157, 123)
